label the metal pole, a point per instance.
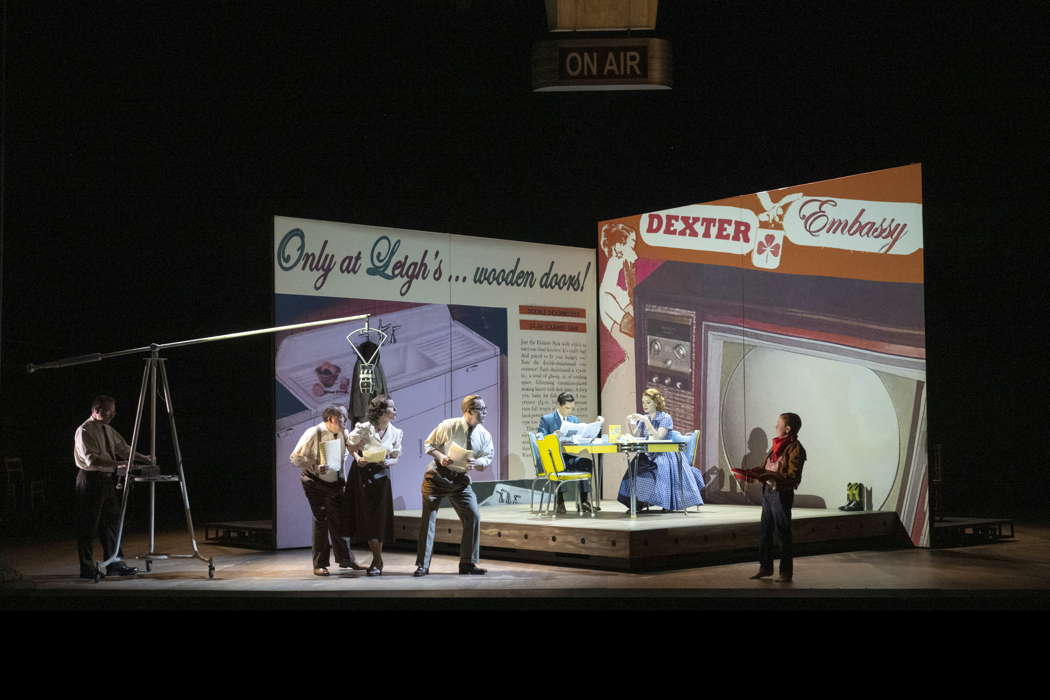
(128, 479)
(98, 356)
(152, 457)
(182, 474)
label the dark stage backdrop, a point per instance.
(147, 147)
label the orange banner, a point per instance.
(529, 310)
(866, 227)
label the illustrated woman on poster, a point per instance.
(616, 308)
(617, 286)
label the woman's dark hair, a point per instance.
(377, 407)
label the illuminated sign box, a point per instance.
(601, 64)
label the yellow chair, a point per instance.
(539, 473)
(554, 469)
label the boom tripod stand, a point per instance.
(154, 377)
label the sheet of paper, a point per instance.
(333, 458)
(459, 457)
(374, 453)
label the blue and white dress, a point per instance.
(658, 475)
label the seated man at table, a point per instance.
(555, 422)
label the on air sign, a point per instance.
(601, 64)
(604, 62)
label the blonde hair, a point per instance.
(657, 398)
(468, 402)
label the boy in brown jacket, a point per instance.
(780, 476)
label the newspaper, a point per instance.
(581, 431)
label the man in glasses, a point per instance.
(450, 477)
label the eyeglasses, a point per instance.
(481, 411)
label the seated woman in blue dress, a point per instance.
(658, 473)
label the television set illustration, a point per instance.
(732, 348)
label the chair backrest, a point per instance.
(533, 437)
(691, 441)
(691, 447)
(550, 456)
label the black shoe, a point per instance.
(420, 571)
(87, 574)
(783, 578)
(471, 569)
(121, 570)
(352, 565)
(762, 574)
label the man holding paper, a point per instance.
(319, 454)
(458, 445)
(562, 421)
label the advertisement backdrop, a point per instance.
(805, 299)
(514, 322)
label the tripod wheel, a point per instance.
(211, 571)
(149, 566)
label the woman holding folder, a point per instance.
(376, 446)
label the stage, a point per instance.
(1005, 575)
(714, 534)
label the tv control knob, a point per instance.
(678, 385)
(667, 381)
(668, 363)
(655, 379)
(680, 352)
(654, 346)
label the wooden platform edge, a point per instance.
(680, 545)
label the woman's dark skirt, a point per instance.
(371, 503)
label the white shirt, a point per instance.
(367, 434)
(308, 454)
(455, 430)
(96, 442)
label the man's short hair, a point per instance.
(332, 411)
(102, 400)
(565, 397)
(468, 402)
(793, 421)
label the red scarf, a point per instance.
(779, 443)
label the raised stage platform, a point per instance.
(714, 534)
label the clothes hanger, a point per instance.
(365, 329)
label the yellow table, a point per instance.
(605, 447)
